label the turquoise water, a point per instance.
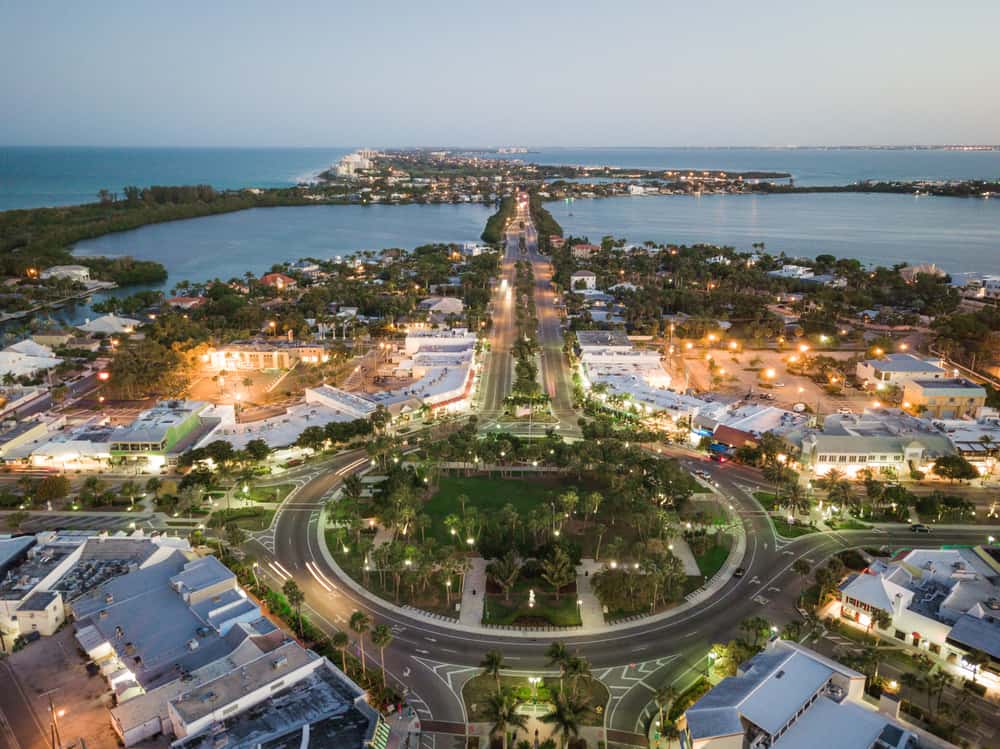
(31, 177)
(809, 166)
(960, 235)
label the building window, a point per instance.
(934, 648)
(900, 635)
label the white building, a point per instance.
(882, 440)
(926, 593)
(110, 325)
(898, 369)
(27, 358)
(790, 697)
(79, 273)
(583, 279)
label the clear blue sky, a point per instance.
(660, 72)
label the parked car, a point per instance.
(844, 411)
(739, 572)
(719, 458)
(919, 528)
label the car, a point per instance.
(919, 528)
(739, 572)
(719, 458)
(779, 384)
(701, 474)
(844, 411)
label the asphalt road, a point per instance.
(498, 372)
(431, 660)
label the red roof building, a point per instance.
(278, 280)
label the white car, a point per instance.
(844, 411)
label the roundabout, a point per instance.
(431, 658)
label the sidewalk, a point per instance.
(474, 593)
(591, 611)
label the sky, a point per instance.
(626, 73)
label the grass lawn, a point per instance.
(478, 690)
(270, 493)
(489, 496)
(714, 557)
(433, 598)
(789, 530)
(546, 611)
(247, 518)
(767, 499)
(851, 525)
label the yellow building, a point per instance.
(955, 398)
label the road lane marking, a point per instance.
(281, 575)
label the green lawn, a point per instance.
(546, 611)
(851, 525)
(488, 496)
(788, 530)
(477, 691)
(767, 500)
(714, 557)
(247, 518)
(270, 493)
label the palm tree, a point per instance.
(492, 664)
(665, 697)
(557, 654)
(558, 571)
(381, 637)
(295, 598)
(566, 714)
(802, 568)
(341, 641)
(577, 668)
(501, 708)
(359, 624)
(505, 571)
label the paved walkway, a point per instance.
(474, 593)
(683, 552)
(591, 611)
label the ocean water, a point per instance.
(808, 166)
(959, 234)
(38, 176)
(33, 176)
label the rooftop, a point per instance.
(602, 338)
(954, 383)
(903, 363)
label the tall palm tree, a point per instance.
(492, 664)
(381, 637)
(501, 709)
(566, 714)
(577, 668)
(505, 571)
(359, 624)
(665, 697)
(341, 641)
(557, 654)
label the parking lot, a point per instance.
(52, 667)
(745, 372)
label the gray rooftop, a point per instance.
(12, 550)
(973, 633)
(956, 384)
(148, 623)
(325, 701)
(602, 338)
(772, 687)
(38, 601)
(903, 363)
